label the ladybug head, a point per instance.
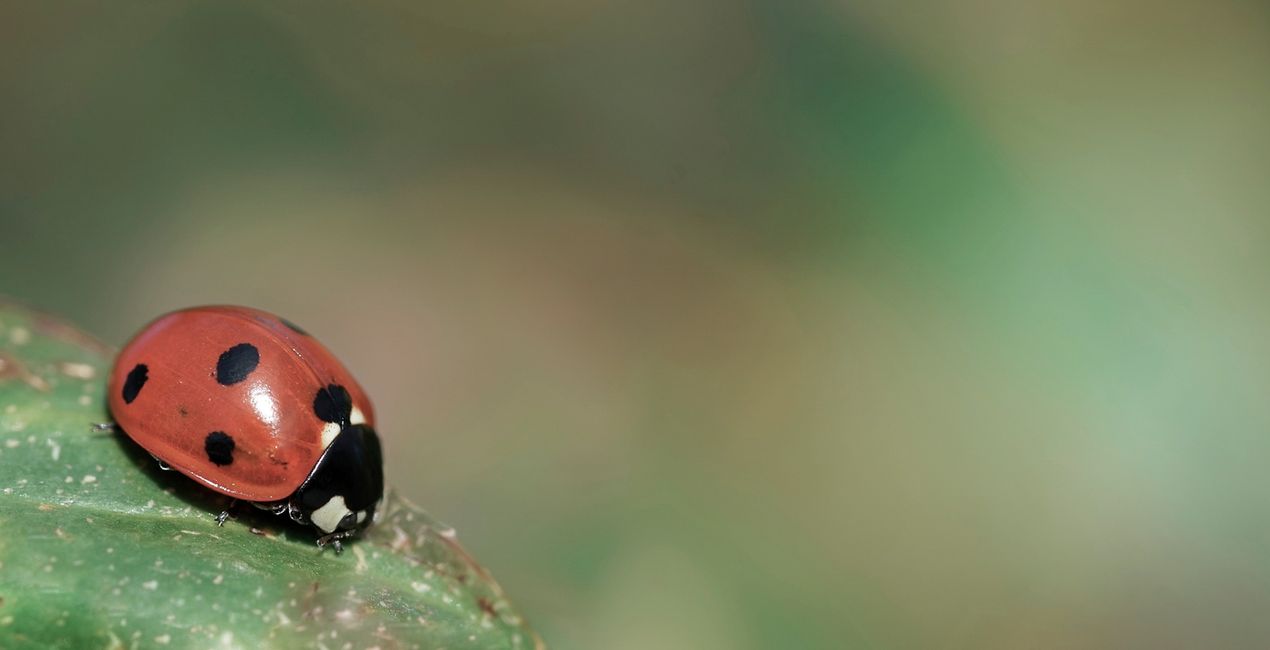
(341, 494)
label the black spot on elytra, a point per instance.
(219, 447)
(333, 404)
(136, 379)
(293, 327)
(236, 363)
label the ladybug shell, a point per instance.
(231, 397)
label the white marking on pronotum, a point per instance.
(329, 432)
(357, 417)
(329, 515)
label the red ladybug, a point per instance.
(251, 406)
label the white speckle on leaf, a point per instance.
(150, 584)
(218, 579)
(70, 479)
(78, 370)
(8, 620)
(400, 540)
(421, 586)
(88, 478)
(12, 443)
(361, 559)
(163, 639)
(57, 449)
(85, 400)
(19, 336)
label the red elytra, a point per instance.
(248, 404)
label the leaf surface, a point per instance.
(101, 548)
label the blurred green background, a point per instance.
(721, 324)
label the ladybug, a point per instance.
(251, 406)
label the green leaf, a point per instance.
(101, 548)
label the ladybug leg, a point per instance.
(297, 514)
(224, 514)
(334, 540)
(272, 507)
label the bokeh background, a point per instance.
(721, 324)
